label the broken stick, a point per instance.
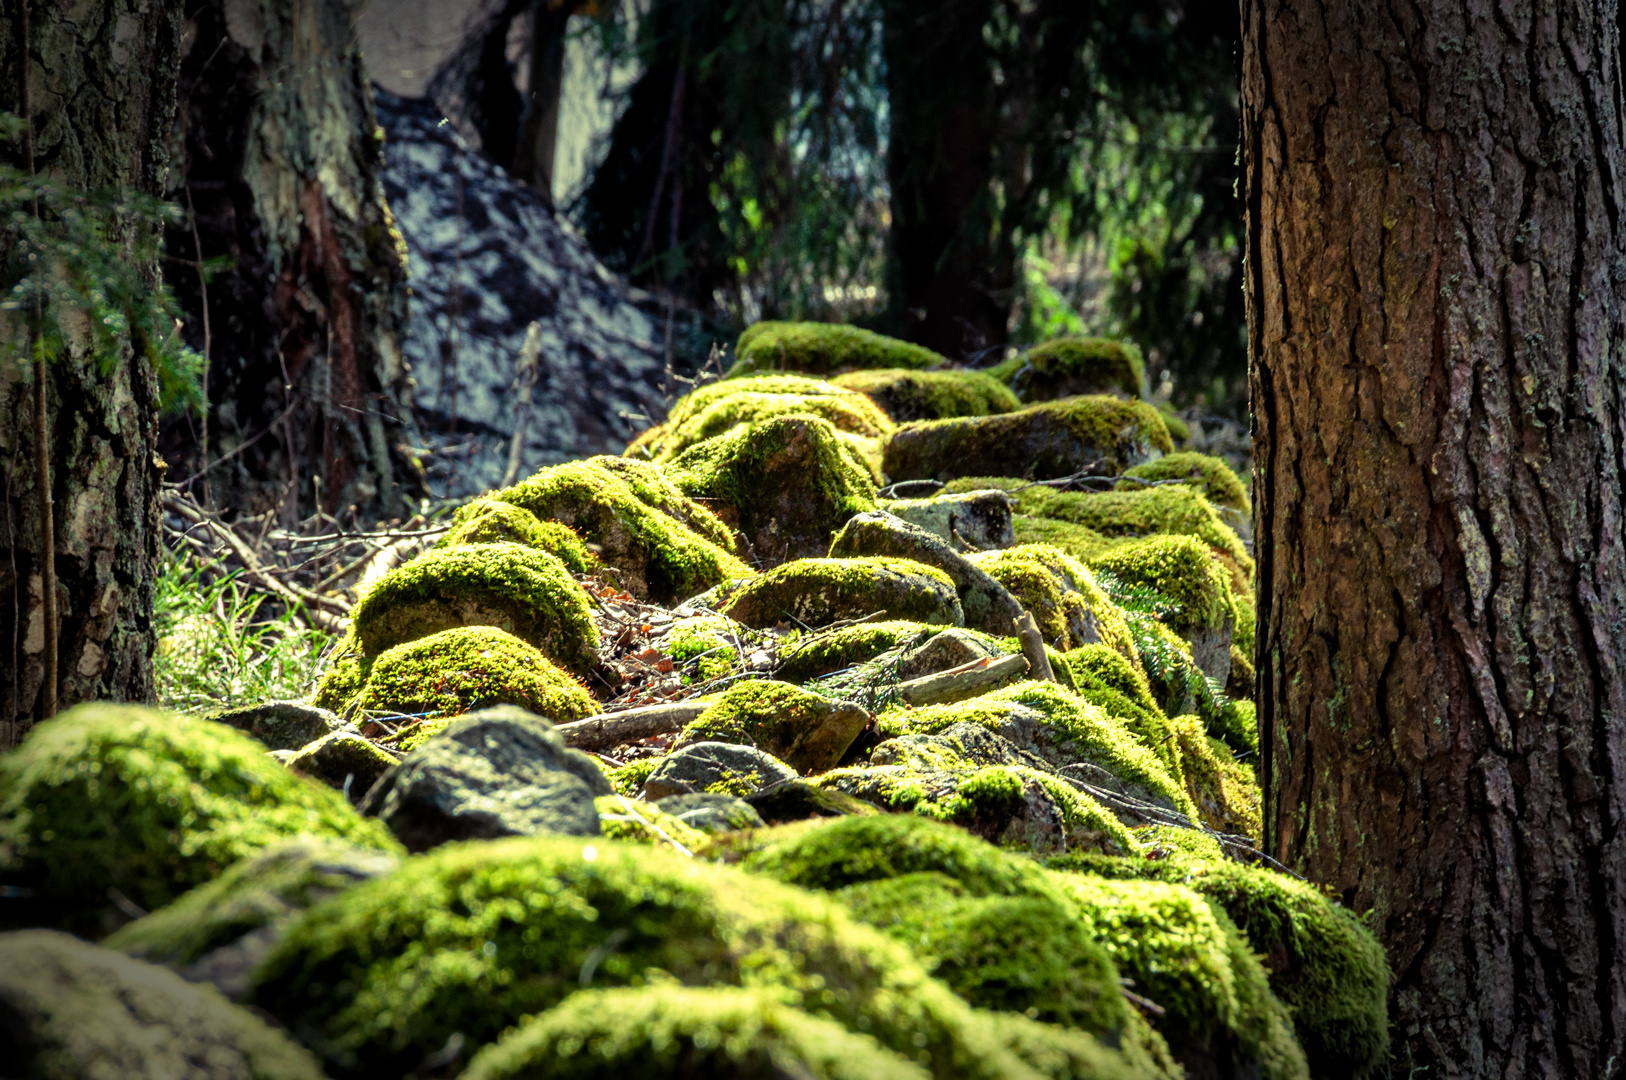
(1027, 631)
(959, 683)
(612, 729)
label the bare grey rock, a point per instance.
(343, 760)
(711, 812)
(281, 725)
(496, 772)
(694, 768)
(971, 520)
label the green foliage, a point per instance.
(151, 804)
(91, 253)
(216, 648)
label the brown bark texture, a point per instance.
(101, 77)
(1435, 283)
(282, 162)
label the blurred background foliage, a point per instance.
(972, 174)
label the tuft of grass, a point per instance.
(221, 643)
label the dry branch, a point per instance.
(613, 729)
(959, 683)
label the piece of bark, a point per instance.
(613, 729)
(957, 684)
(1027, 631)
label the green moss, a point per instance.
(1068, 366)
(150, 804)
(1175, 578)
(809, 656)
(710, 641)
(1070, 608)
(1044, 441)
(524, 591)
(1079, 541)
(677, 1031)
(471, 667)
(1226, 792)
(629, 778)
(1189, 958)
(852, 413)
(1176, 509)
(817, 592)
(1179, 430)
(787, 483)
(823, 348)
(1210, 475)
(488, 521)
(663, 545)
(645, 823)
(346, 675)
(1104, 678)
(1323, 964)
(472, 937)
(802, 729)
(1023, 954)
(260, 890)
(1073, 730)
(931, 395)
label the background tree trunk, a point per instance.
(1435, 284)
(282, 162)
(102, 83)
(949, 291)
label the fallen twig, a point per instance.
(1027, 632)
(613, 729)
(959, 683)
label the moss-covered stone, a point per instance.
(1104, 678)
(526, 592)
(1323, 964)
(851, 413)
(1179, 685)
(491, 521)
(1015, 954)
(1178, 580)
(342, 760)
(823, 349)
(817, 592)
(662, 545)
(74, 1011)
(1176, 509)
(712, 812)
(805, 731)
(472, 938)
(346, 673)
(1042, 442)
(279, 725)
(712, 642)
(1011, 805)
(931, 395)
(1070, 608)
(1189, 958)
(629, 779)
(1065, 367)
(1209, 475)
(1079, 541)
(471, 667)
(149, 804)
(218, 931)
(786, 484)
(1226, 791)
(645, 823)
(808, 656)
(1061, 728)
(679, 1031)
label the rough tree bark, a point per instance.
(1435, 284)
(101, 78)
(283, 159)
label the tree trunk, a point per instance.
(1435, 284)
(102, 89)
(947, 289)
(283, 163)
(539, 128)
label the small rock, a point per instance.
(978, 520)
(711, 812)
(496, 772)
(280, 725)
(798, 799)
(817, 592)
(343, 760)
(948, 649)
(807, 732)
(988, 605)
(959, 746)
(72, 1009)
(708, 766)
